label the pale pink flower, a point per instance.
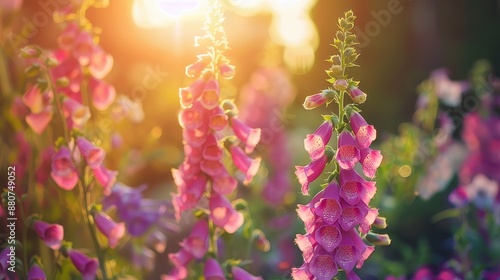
(64, 170)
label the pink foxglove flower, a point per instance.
(40, 108)
(347, 153)
(76, 114)
(212, 270)
(105, 177)
(197, 242)
(51, 234)
(92, 154)
(85, 265)
(203, 175)
(249, 166)
(365, 134)
(307, 174)
(64, 170)
(315, 143)
(249, 136)
(112, 230)
(223, 214)
(338, 216)
(370, 161)
(103, 94)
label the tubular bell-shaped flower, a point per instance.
(112, 230)
(338, 218)
(63, 169)
(51, 234)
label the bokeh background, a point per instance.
(398, 51)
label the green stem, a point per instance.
(5, 84)
(59, 107)
(213, 238)
(25, 238)
(91, 227)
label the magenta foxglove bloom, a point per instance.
(307, 174)
(212, 270)
(241, 274)
(249, 166)
(323, 265)
(63, 169)
(223, 214)
(85, 265)
(315, 143)
(112, 230)
(328, 207)
(314, 101)
(36, 273)
(350, 250)
(353, 187)
(370, 161)
(92, 154)
(347, 153)
(249, 136)
(51, 234)
(197, 241)
(105, 177)
(365, 134)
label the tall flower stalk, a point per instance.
(338, 219)
(212, 131)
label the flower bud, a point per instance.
(380, 222)
(340, 84)
(356, 95)
(261, 241)
(378, 239)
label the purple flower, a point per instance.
(212, 270)
(105, 177)
(51, 234)
(85, 265)
(36, 273)
(112, 230)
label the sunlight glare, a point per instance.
(158, 13)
